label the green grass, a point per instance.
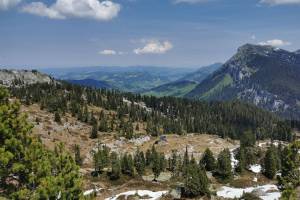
(226, 81)
(175, 91)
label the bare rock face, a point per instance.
(10, 78)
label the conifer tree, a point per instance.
(127, 165)
(156, 165)
(94, 132)
(224, 168)
(247, 139)
(241, 166)
(148, 157)
(78, 158)
(270, 163)
(196, 183)
(186, 161)
(173, 162)
(57, 118)
(208, 160)
(115, 167)
(27, 169)
(139, 162)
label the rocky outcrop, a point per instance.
(10, 78)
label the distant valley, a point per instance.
(130, 79)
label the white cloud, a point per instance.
(62, 9)
(275, 43)
(40, 9)
(154, 47)
(6, 4)
(191, 1)
(108, 52)
(280, 2)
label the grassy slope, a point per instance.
(176, 90)
(226, 81)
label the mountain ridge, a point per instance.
(263, 75)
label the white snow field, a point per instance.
(89, 192)
(234, 162)
(150, 195)
(255, 168)
(265, 192)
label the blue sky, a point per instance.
(179, 33)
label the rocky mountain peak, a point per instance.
(22, 77)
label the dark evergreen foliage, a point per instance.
(162, 115)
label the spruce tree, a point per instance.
(139, 162)
(156, 164)
(38, 172)
(196, 183)
(208, 160)
(77, 156)
(57, 118)
(270, 163)
(173, 162)
(127, 165)
(224, 168)
(94, 132)
(186, 161)
(241, 166)
(115, 167)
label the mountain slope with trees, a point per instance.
(184, 85)
(263, 75)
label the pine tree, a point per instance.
(186, 161)
(224, 168)
(148, 157)
(101, 158)
(156, 165)
(94, 132)
(57, 118)
(247, 139)
(127, 165)
(270, 163)
(241, 166)
(173, 162)
(38, 172)
(115, 167)
(196, 183)
(77, 156)
(208, 160)
(139, 162)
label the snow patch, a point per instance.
(234, 162)
(268, 192)
(255, 168)
(141, 140)
(140, 193)
(92, 191)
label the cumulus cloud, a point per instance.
(6, 4)
(280, 2)
(108, 52)
(154, 47)
(275, 43)
(62, 9)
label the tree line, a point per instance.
(164, 115)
